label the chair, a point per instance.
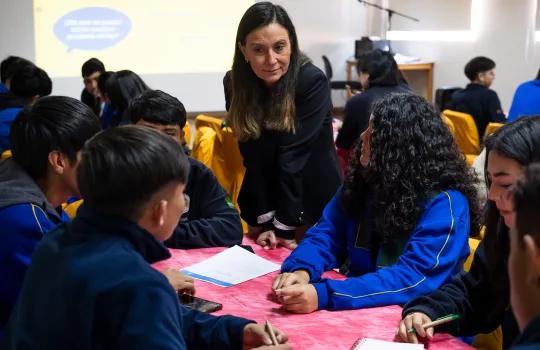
(72, 208)
(491, 128)
(443, 97)
(187, 133)
(449, 125)
(5, 155)
(338, 84)
(216, 146)
(466, 134)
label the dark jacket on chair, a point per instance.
(91, 286)
(480, 102)
(211, 219)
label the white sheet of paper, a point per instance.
(375, 344)
(232, 266)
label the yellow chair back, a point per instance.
(491, 128)
(216, 146)
(187, 133)
(5, 155)
(449, 124)
(71, 208)
(465, 131)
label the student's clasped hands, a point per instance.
(269, 240)
(295, 293)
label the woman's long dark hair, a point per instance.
(252, 103)
(519, 141)
(413, 157)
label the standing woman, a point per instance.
(280, 110)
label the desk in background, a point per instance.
(319, 330)
(419, 75)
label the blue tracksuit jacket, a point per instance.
(434, 252)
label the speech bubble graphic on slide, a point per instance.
(92, 28)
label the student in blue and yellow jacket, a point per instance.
(400, 224)
(45, 140)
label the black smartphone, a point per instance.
(199, 304)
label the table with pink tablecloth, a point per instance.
(319, 330)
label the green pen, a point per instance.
(441, 320)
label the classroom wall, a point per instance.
(505, 33)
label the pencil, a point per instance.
(441, 320)
(270, 331)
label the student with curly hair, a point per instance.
(400, 224)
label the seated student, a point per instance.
(481, 296)
(477, 99)
(379, 75)
(46, 138)
(26, 83)
(90, 284)
(526, 101)
(91, 70)
(401, 222)
(209, 219)
(524, 260)
(7, 66)
(118, 90)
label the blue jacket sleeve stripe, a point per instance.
(423, 276)
(433, 253)
(35, 216)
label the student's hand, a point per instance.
(289, 278)
(180, 282)
(298, 298)
(411, 327)
(256, 337)
(269, 240)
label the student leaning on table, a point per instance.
(400, 223)
(90, 284)
(481, 296)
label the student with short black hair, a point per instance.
(26, 83)
(477, 99)
(524, 259)
(210, 218)
(46, 138)
(90, 71)
(91, 285)
(7, 67)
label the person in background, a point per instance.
(477, 99)
(526, 101)
(400, 224)
(279, 108)
(209, 218)
(91, 70)
(90, 284)
(7, 67)
(117, 90)
(46, 138)
(524, 259)
(26, 83)
(379, 75)
(482, 296)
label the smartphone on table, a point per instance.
(199, 304)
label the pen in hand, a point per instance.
(270, 331)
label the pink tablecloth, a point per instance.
(319, 330)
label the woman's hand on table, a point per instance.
(289, 278)
(180, 282)
(256, 337)
(298, 298)
(269, 240)
(412, 326)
